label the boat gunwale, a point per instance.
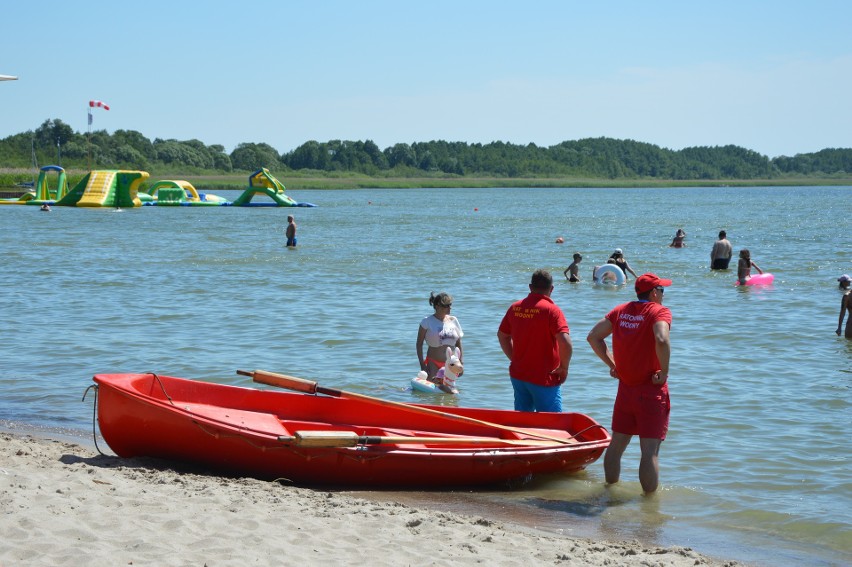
(128, 387)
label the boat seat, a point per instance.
(261, 422)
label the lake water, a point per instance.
(756, 465)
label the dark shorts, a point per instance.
(642, 410)
(291, 242)
(720, 264)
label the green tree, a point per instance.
(135, 140)
(53, 132)
(172, 152)
(128, 157)
(400, 154)
(310, 155)
(251, 157)
(221, 160)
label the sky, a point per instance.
(771, 76)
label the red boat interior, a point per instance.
(282, 414)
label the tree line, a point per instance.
(54, 142)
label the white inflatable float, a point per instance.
(617, 279)
(445, 379)
(422, 384)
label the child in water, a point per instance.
(677, 241)
(607, 277)
(574, 269)
(745, 265)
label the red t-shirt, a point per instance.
(533, 323)
(633, 342)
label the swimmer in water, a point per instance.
(574, 269)
(677, 241)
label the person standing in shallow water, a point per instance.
(639, 360)
(534, 336)
(621, 262)
(291, 232)
(572, 272)
(720, 255)
(678, 240)
(845, 305)
(744, 266)
(439, 331)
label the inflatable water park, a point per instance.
(118, 188)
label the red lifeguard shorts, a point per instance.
(642, 410)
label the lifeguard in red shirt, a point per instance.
(640, 361)
(534, 337)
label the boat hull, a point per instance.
(249, 432)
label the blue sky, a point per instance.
(771, 76)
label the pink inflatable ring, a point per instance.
(759, 279)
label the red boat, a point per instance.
(341, 439)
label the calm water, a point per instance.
(756, 466)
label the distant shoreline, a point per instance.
(349, 181)
(296, 181)
(561, 183)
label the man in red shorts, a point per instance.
(534, 337)
(640, 361)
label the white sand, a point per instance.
(63, 504)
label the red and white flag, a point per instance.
(98, 104)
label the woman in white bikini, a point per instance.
(439, 331)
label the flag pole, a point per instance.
(89, 141)
(92, 104)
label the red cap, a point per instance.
(647, 282)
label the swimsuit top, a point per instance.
(442, 333)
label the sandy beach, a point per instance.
(64, 504)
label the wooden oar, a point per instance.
(352, 439)
(310, 387)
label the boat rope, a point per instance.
(574, 436)
(163, 388)
(94, 416)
